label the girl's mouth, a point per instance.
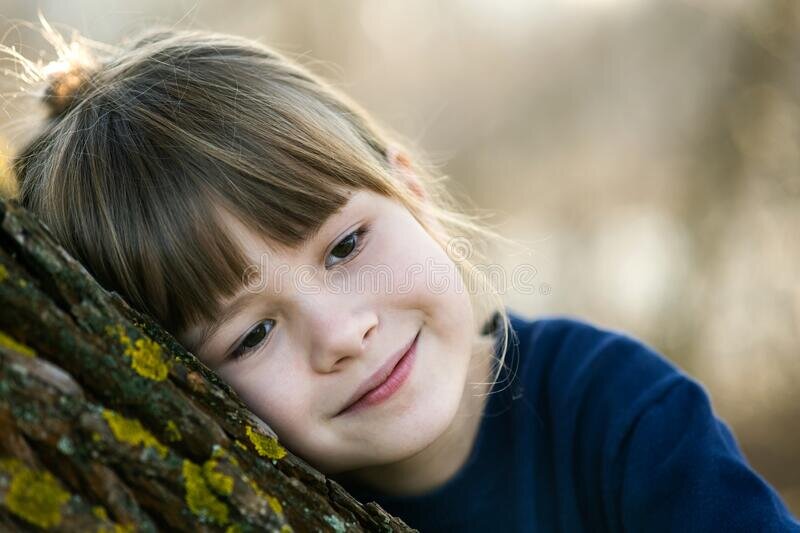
(387, 386)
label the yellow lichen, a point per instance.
(218, 452)
(265, 445)
(147, 359)
(131, 431)
(172, 431)
(118, 528)
(100, 512)
(3, 273)
(286, 528)
(234, 528)
(255, 488)
(35, 496)
(221, 483)
(22, 283)
(240, 444)
(7, 342)
(274, 504)
(146, 355)
(201, 501)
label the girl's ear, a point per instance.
(404, 170)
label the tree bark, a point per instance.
(108, 424)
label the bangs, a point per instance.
(186, 257)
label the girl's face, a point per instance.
(317, 322)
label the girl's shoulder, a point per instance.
(571, 351)
(580, 376)
(628, 427)
(637, 434)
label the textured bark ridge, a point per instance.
(107, 424)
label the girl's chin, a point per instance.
(414, 417)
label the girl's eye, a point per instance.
(253, 340)
(347, 248)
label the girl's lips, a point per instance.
(388, 386)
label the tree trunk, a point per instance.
(108, 424)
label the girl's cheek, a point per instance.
(408, 259)
(285, 411)
(269, 388)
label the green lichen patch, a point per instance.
(172, 432)
(35, 496)
(7, 342)
(199, 497)
(132, 432)
(65, 445)
(146, 355)
(265, 446)
(336, 523)
(100, 512)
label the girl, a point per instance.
(302, 253)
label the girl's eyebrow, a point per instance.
(230, 311)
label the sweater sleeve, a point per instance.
(636, 445)
(680, 469)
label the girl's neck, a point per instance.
(441, 460)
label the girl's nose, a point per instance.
(339, 334)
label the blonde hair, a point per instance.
(141, 143)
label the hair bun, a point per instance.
(66, 82)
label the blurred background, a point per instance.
(645, 153)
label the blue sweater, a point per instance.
(596, 432)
